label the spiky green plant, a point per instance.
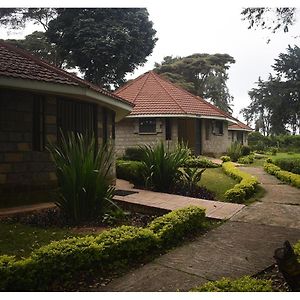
(191, 177)
(160, 166)
(84, 176)
(235, 151)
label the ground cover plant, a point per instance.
(199, 162)
(288, 164)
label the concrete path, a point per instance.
(25, 208)
(214, 209)
(242, 246)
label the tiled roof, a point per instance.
(19, 64)
(239, 126)
(154, 95)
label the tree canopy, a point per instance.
(275, 103)
(204, 75)
(104, 43)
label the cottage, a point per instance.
(166, 112)
(239, 132)
(37, 100)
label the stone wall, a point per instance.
(233, 136)
(127, 134)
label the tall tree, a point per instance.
(204, 75)
(104, 43)
(275, 103)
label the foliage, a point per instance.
(173, 226)
(200, 162)
(297, 250)
(134, 153)
(160, 167)
(288, 177)
(191, 177)
(202, 74)
(288, 164)
(249, 159)
(84, 176)
(225, 158)
(244, 189)
(243, 284)
(235, 151)
(245, 150)
(104, 43)
(130, 170)
(275, 103)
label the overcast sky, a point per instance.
(197, 28)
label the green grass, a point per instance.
(285, 155)
(217, 181)
(20, 240)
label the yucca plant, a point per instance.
(160, 166)
(84, 177)
(191, 177)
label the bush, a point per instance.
(84, 177)
(243, 190)
(249, 159)
(133, 154)
(297, 250)
(225, 158)
(245, 150)
(288, 164)
(160, 167)
(288, 177)
(130, 170)
(173, 226)
(243, 284)
(235, 151)
(273, 150)
(200, 162)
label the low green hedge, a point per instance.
(200, 162)
(288, 164)
(297, 250)
(288, 177)
(173, 226)
(243, 284)
(60, 261)
(244, 189)
(130, 170)
(249, 159)
(134, 153)
(225, 158)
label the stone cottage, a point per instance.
(165, 112)
(239, 132)
(36, 101)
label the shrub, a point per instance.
(244, 189)
(249, 159)
(173, 226)
(297, 250)
(225, 158)
(235, 151)
(200, 162)
(133, 153)
(191, 177)
(288, 164)
(161, 166)
(84, 176)
(273, 150)
(269, 160)
(245, 150)
(288, 177)
(130, 170)
(243, 284)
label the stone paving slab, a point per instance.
(25, 208)
(233, 250)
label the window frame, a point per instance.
(168, 129)
(151, 126)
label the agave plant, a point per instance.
(160, 166)
(84, 176)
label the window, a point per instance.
(218, 128)
(240, 137)
(168, 129)
(38, 126)
(147, 125)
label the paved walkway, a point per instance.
(25, 208)
(242, 246)
(214, 209)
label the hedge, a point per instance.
(297, 250)
(288, 177)
(244, 189)
(60, 261)
(243, 284)
(200, 162)
(288, 164)
(134, 153)
(225, 158)
(249, 159)
(130, 170)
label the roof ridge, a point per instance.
(70, 76)
(152, 72)
(147, 76)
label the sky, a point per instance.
(187, 27)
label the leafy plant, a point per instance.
(191, 177)
(245, 150)
(225, 158)
(130, 170)
(84, 176)
(133, 153)
(235, 151)
(200, 162)
(160, 167)
(249, 159)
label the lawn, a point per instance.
(19, 240)
(285, 155)
(216, 181)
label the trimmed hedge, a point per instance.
(173, 226)
(60, 261)
(243, 284)
(289, 164)
(225, 158)
(288, 177)
(130, 170)
(244, 189)
(297, 250)
(200, 162)
(249, 159)
(134, 153)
